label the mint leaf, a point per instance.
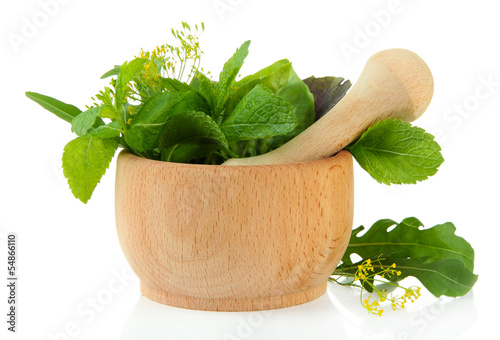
(228, 75)
(282, 80)
(62, 110)
(84, 121)
(395, 152)
(327, 91)
(260, 114)
(149, 122)
(441, 260)
(86, 158)
(190, 135)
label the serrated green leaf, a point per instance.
(86, 158)
(327, 91)
(228, 75)
(84, 121)
(149, 122)
(190, 135)
(273, 77)
(111, 130)
(396, 152)
(441, 260)
(62, 110)
(260, 114)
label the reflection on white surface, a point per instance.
(335, 315)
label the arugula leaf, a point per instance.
(392, 151)
(149, 122)
(62, 110)
(327, 91)
(84, 121)
(190, 135)
(442, 261)
(228, 75)
(86, 158)
(260, 114)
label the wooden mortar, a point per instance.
(234, 238)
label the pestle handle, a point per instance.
(395, 83)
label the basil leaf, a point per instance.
(441, 260)
(228, 75)
(395, 152)
(86, 158)
(327, 92)
(62, 110)
(296, 93)
(260, 114)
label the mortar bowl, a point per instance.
(233, 238)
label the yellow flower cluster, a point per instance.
(370, 272)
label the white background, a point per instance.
(68, 252)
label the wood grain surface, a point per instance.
(235, 238)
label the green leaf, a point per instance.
(86, 158)
(127, 71)
(109, 111)
(260, 114)
(282, 80)
(62, 110)
(149, 122)
(190, 135)
(441, 260)
(175, 85)
(327, 92)
(85, 120)
(296, 93)
(228, 75)
(449, 277)
(111, 130)
(395, 152)
(273, 77)
(113, 72)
